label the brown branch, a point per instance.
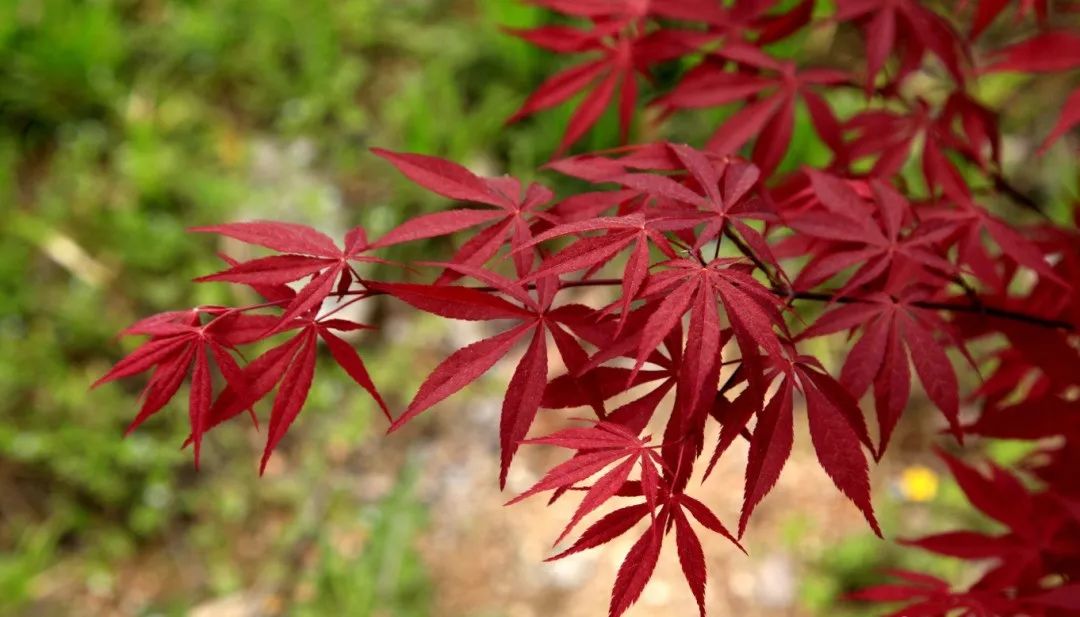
(489, 289)
(749, 253)
(783, 292)
(1016, 195)
(987, 311)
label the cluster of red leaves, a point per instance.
(1030, 395)
(700, 335)
(1033, 563)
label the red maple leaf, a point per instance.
(853, 231)
(1023, 561)
(180, 343)
(1047, 52)
(923, 268)
(906, 27)
(837, 430)
(290, 366)
(598, 448)
(536, 318)
(774, 86)
(891, 137)
(307, 253)
(969, 222)
(720, 192)
(986, 11)
(514, 220)
(624, 50)
(894, 330)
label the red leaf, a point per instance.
(295, 384)
(880, 38)
(163, 385)
(707, 519)
(585, 253)
(439, 176)
(691, 558)
(600, 383)
(734, 415)
(769, 450)
(635, 572)
(1065, 597)
(270, 271)
(349, 360)
(281, 237)
(1003, 498)
(935, 371)
(243, 328)
(701, 360)
(589, 111)
(890, 593)
(739, 128)
(772, 143)
(522, 400)
(311, 296)
(559, 88)
(512, 288)
(436, 224)
(563, 39)
(592, 438)
(459, 370)
(199, 400)
(838, 451)
(967, 545)
(453, 302)
(260, 377)
(986, 12)
(163, 324)
(839, 398)
(570, 472)
(608, 528)
(712, 89)
(605, 487)
(892, 387)
(667, 315)
(1069, 118)
(1050, 51)
(142, 359)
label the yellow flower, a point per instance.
(918, 483)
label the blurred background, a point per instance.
(123, 122)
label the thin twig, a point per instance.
(783, 292)
(1016, 195)
(749, 253)
(988, 311)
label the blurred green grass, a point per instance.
(123, 122)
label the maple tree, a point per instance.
(728, 265)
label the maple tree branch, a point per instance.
(975, 309)
(784, 292)
(1016, 195)
(752, 256)
(489, 289)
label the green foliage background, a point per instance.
(122, 122)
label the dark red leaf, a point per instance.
(459, 370)
(522, 400)
(635, 572)
(281, 237)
